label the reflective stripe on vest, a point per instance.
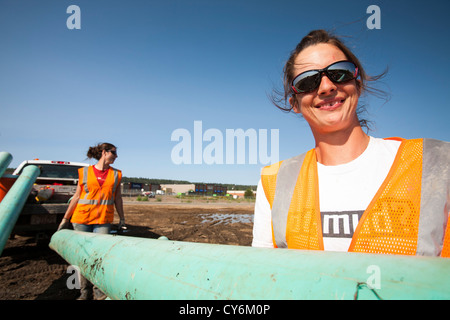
(95, 202)
(84, 180)
(425, 214)
(435, 192)
(286, 179)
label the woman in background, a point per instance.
(92, 207)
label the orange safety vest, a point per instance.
(407, 215)
(96, 203)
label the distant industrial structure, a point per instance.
(134, 188)
(210, 189)
(177, 188)
(237, 193)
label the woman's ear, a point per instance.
(294, 104)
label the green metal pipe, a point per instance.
(137, 268)
(5, 160)
(13, 202)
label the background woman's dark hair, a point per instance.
(96, 151)
(281, 98)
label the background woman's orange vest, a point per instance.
(96, 204)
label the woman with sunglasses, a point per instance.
(351, 192)
(92, 207)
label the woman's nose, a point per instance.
(326, 86)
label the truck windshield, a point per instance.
(58, 171)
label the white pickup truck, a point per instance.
(49, 198)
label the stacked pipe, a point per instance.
(13, 202)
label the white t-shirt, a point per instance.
(345, 191)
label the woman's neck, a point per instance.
(101, 165)
(341, 147)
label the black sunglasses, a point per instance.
(338, 72)
(114, 152)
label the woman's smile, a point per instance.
(330, 104)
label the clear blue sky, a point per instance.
(138, 70)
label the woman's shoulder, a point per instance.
(395, 142)
(292, 161)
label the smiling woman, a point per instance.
(383, 195)
(291, 78)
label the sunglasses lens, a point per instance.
(307, 81)
(342, 72)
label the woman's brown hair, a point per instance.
(96, 151)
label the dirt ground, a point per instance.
(34, 272)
